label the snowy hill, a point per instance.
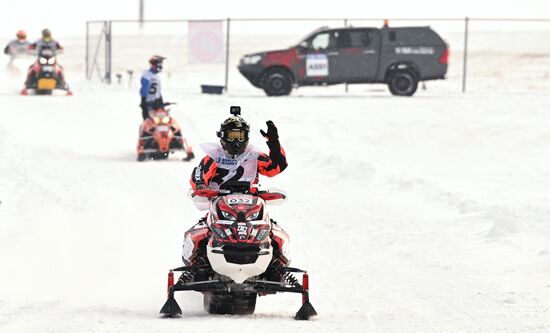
(424, 214)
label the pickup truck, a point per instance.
(397, 56)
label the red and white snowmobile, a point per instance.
(244, 256)
(45, 76)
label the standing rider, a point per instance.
(231, 160)
(150, 86)
(151, 100)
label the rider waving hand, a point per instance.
(234, 160)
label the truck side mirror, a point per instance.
(303, 45)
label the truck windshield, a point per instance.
(309, 35)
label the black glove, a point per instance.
(271, 134)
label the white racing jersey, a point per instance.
(150, 86)
(51, 45)
(17, 48)
(243, 167)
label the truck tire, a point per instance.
(402, 83)
(233, 304)
(277, 82)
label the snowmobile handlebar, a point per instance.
(265, 195)
(207, 193)
(160, 105)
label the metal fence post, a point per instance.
(108, 51)
(345, 26)
(465, 56)
(227, 54)
(88, 76)
(141, 12)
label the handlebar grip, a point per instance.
(209, 193)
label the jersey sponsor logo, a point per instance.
(198, 175)
(414, 50)
(226, 161)
(316, 65)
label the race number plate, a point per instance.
(46, 84)
(235, 200)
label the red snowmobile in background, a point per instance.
(45, 75)
(242, 254)
(160, 135)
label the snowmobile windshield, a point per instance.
(236, 134)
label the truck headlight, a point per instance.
(252, 60)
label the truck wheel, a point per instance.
(277, 83)
(402, 83)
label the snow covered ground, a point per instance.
(423, 214)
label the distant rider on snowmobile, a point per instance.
(18, 47)
(150, 90)
(234, 160)
(45, 45)
(46, 42)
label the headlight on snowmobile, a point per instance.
(228, 216)
(43, 61)
(253, 216)
(51, 61)
(165, 120)
(156, 120)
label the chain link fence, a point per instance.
(504, 55)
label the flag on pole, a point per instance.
(205, 42)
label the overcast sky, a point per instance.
(67, 17)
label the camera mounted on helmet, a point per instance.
(235, 110)
(233, 132)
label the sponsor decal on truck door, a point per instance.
(316, 65)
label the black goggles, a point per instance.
(235, 134)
